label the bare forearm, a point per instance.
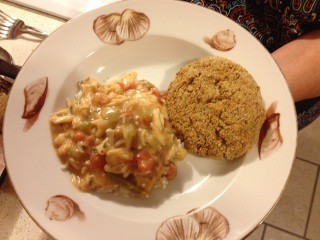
(299, 61)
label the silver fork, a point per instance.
(12, 27)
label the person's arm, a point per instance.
(299, 62)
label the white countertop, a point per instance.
(21, 48)
(14, 221)
(62, 8)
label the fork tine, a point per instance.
(7, 17)
(3, 36)
(3, 19)
(7, 21)
(11, 27)
(13, 18)
(5, 24)
(4, 30)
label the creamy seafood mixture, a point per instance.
(116, 137)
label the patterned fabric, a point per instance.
(307, 111)
(274, 23)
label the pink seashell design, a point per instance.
(61, 208)
(223, 40)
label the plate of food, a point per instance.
(137, 121)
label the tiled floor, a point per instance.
(297, 214)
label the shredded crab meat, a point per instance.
(115, 136)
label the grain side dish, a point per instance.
(216, 108)
(115, 137)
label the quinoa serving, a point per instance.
(216, 108)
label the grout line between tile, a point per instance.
(286, 231)
(311, 204)
(307, 161)
(264, 231)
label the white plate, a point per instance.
(243, 191)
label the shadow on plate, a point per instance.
(207, 166)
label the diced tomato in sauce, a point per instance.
(127, 85)
(162, 96)
(100, 98)
(97, 161)
(145, 162)
(155, 92)
(90, 140)
(147, 121)
(79, 136)
(172, 172)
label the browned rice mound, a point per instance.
(216, 108)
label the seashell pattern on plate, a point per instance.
(35, 95)
(198, 224)
(223, 40)
(105, 28)
(270, 138)
(115, 28)
(61, 208)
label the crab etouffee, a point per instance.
(115, 136)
